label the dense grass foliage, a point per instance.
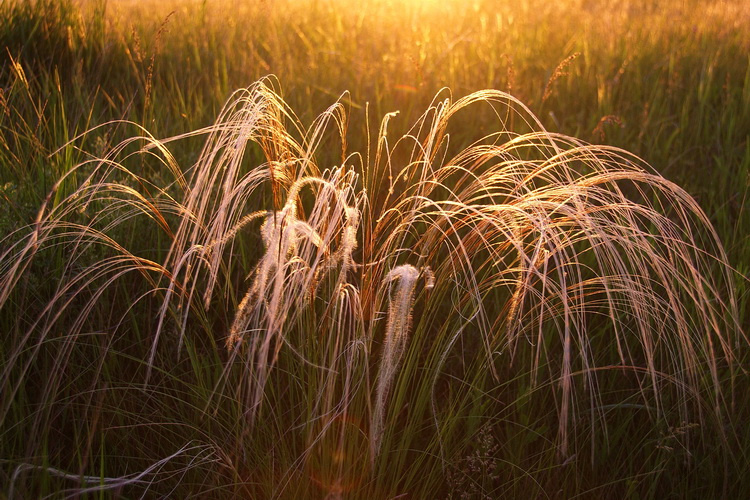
(300, 294)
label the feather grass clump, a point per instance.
(341, 304)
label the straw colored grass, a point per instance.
(364, 286)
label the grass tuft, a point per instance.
(399, 302)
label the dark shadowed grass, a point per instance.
(293, 328)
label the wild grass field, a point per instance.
(374, 250)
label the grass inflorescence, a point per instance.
(404, 299)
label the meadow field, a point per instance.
(374, 250)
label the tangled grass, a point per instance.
(350, 327)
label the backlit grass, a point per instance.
(314, 297)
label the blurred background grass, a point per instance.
(669, 81)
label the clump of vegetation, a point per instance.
(438, 301)
(289, 328)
